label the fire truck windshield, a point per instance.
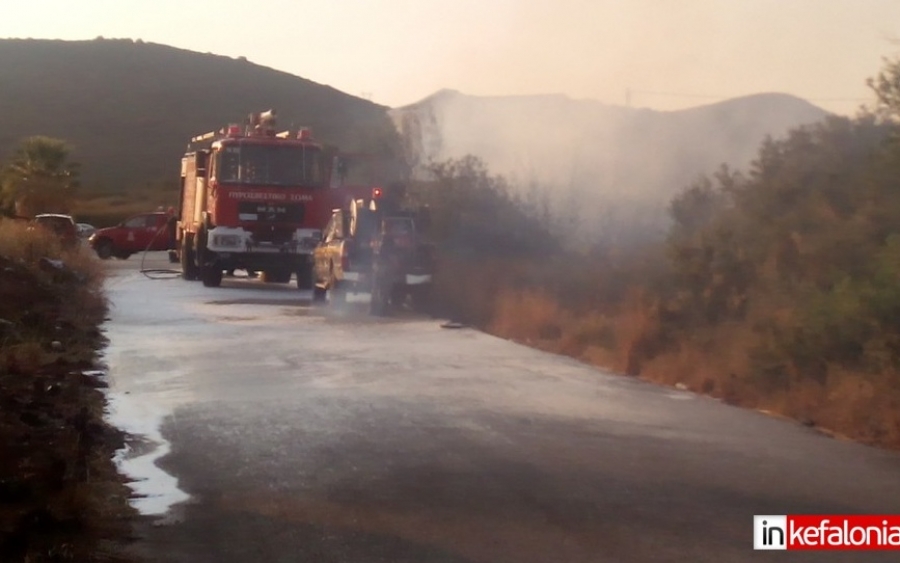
(269, 165)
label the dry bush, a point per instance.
(638, 331)
(862, 406)
(23, 357)
(710, 363)
(41, 303)
(588, 329)
(556, 307)
(53, 413)
(19, 243)
(598, 356)
(465, 288)
(527, 316)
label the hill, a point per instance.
(605, 167)
(129, 107)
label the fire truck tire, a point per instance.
(104, 249)
(211, 275)
(305, 279)
(188, 265)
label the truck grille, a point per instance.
(270, 212)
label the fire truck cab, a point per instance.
(252, 199)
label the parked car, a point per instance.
(63, 226)
(136, 234)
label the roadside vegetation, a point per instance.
(39, 178)
(777, 288)
(61, 498)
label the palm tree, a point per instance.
(40, 178)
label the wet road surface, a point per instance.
(277, 431)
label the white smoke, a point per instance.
(608, 172)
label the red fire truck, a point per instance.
(253, 199)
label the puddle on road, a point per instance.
(154, 490)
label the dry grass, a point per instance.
(537, 319)
(526, 316)
(60, 493)
(592, 334)
(465, 289)
(864, 407)
(18, 243)
(514, 301)
(38, 300)
(104, 210)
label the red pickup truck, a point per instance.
(139, 233)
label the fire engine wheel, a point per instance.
(211, 275)
(188, 265)
(104, 249)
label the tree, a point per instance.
(474, 210)
(886, 86)
(40, 178)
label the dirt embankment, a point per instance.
(61, 498)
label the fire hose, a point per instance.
(158, 273)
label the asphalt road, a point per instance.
(277, 431)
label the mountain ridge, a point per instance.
(129, 107)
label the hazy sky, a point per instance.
(670, 54)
